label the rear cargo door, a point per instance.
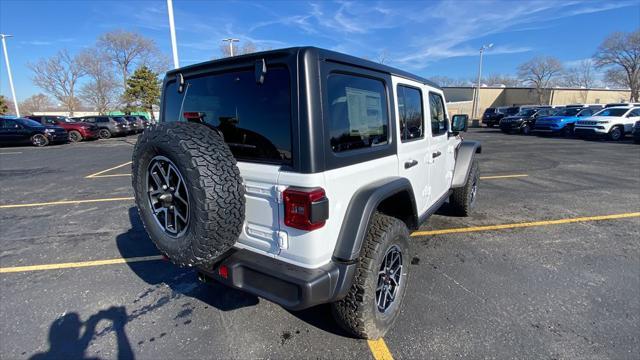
(261, 225)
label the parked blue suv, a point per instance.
(562, 121)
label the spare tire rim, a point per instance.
(389, 279)
(168, 196)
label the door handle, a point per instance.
(410, 164)
(436, 154)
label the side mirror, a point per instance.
(459, 123)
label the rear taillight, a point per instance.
(305, 209)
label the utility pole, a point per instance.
(172, 28)
(231, 41)
(6, 60)
(476, 102)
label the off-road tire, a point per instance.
(463, 199)
(215, 191)
(567, 131)
(104, 133)
(616, 133)
(358, 312)
(74, 136)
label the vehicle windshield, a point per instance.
(526, 112)
(511, 111)
(65, 119)
(119, 119)
(28, 122)
(612, 112)
(490, 111)
(567, 112)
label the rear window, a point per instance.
(255, 119)
(358, 115)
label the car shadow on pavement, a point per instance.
(181, 281)
(68, 341)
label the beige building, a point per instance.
(461, 98)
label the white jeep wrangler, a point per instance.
(297, 174)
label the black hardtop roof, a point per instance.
(302, 51)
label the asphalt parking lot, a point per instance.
(559, 278)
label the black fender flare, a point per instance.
(361, 208)
(465, 154)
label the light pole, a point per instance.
(231, 41)
(6, 60)
(476, 102)
(172, 28)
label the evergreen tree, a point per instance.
(4, 106)
(143, 90)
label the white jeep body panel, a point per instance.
(264, 230)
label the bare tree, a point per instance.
(247, 48)
(620, 54)
(127, 50)
(581, 76)
(58, 76)
(383, 56)
(449, 82)
(500, 79)
(35, 103)
(101, 91)
(539, 72)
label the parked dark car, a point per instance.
(27, 131)
(491, 116)
(77, 130)
(108, 126)
(525, 120)
(636, 132)
(136, 124)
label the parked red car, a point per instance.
(77, 130)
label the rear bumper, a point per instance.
(88, 134)
(291, 286)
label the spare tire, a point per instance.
(189, 192)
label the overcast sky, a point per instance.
(428, 38)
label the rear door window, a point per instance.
(411, 113)
(255, 119)
(438, 117)
(358, 112)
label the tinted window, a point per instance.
(585, 112)
(438, 118)
(490, 111)
(28, 122)
(411, 113)
(119, 119)
(255, 119)
(567, 112)
(612, 112)
(358, 116)
(102, 120)
(634, 112)
(512, 111)
(526, 112)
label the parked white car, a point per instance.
(613, 122)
